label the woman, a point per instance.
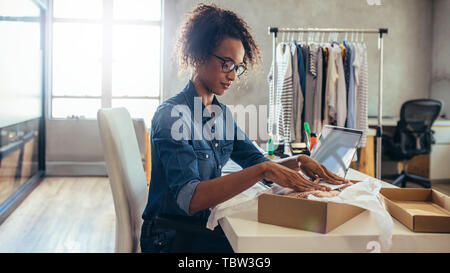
(186, 172)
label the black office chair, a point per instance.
(413, 136)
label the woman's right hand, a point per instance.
(286, 177)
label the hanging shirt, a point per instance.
(272, 128)
(332, 76)
(316, 125)
(297, 106)
(281, 100)
(275, 108)
(302, 76)
(301, 67)
(311, 85)
(341, 92)
(362, 90)
(324, 82)
(350, 81)
(305, 54)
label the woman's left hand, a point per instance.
(290, 162)
(315, 170)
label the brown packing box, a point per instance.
(421, 210)
(304, 214)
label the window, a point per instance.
(105, 53)
(20, 61)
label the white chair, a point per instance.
(126, 175)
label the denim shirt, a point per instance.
(179, 165)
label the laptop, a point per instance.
(336, 148)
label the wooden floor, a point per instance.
(63, 214)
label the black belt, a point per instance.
(185, 224)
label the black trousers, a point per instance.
(181, 234)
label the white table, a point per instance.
(359, 234)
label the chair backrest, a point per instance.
(126, 175)
(414, 128)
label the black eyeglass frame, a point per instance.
(232, 67)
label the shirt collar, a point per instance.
(190, 93)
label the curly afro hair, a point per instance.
(205, 28)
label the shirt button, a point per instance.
(217, 144)
(220, 166)
(206, 156)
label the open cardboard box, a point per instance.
(316, 216)
(421, 210)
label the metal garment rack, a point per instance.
(274, 32)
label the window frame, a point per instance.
(107, 22)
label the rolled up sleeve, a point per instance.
(185, 195)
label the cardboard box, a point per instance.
(421, 210)
(304, 214)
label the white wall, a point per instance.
(440, 77)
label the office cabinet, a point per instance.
(440, 153)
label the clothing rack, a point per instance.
(274, 32)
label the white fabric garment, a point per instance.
(361, 91)
(330, 89)
(336, 94)
(280, 109)
(365, 195)
(246, 200)
(341, 91)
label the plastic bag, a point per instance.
(246, 200)
(365, 195)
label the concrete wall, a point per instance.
(407, 55)
(440, 73)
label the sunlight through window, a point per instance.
(105, 53)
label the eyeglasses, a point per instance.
(229, 65)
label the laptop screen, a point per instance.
(336, 147)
